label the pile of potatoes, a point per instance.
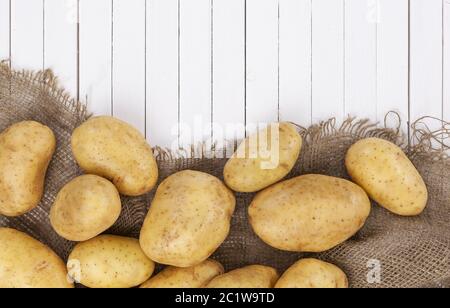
(190, 215)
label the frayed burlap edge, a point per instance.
(424, 138)
(50, 85)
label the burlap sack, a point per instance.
(411, 252)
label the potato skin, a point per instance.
(27, 263)
(26, 149)
(109, 261)
(310, 213)
(387, 175)
(191, 277)
(85, 207)
(250, 174)
(115, 150)
(188, 220)
(253, 276)
(313, 274)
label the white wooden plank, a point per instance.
(229, 69)
(27, 36)
(295, 61)
(426, 60)
(361, 19)
(262, 62)
(4, 29)
(328, 59)
(392, 53)
(95, 55)
(60, 41)
(195, 71)
(129, 62)
(162, 73)
(447, 60)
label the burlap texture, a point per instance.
(413, 252)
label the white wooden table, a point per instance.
(158, 63)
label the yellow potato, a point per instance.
(109, 261)
(26, 149)
(388, 176)
(256, 166)
(85, 207)
(188, 220)
(313, 274)
(253, 276)
(27, 263)
(112, 149)
(191, 277)
(310, 213)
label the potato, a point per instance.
(85, 207)
(26, 149)
(253, 276)
(310, 213)
(112, 149)
(188, 220)
(27, 263)
(255, 166)
(313, 274)
(191, 277)
(387, 175)
(109, 261)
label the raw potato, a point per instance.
(388, 176)
(85, 207)
(251, 169)
(112, 149)
(109, 261)
(310, 213)
(188, 220)
(253, 276)
(313, 274)
(191, 277)
(27, 263)
(26, 149)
